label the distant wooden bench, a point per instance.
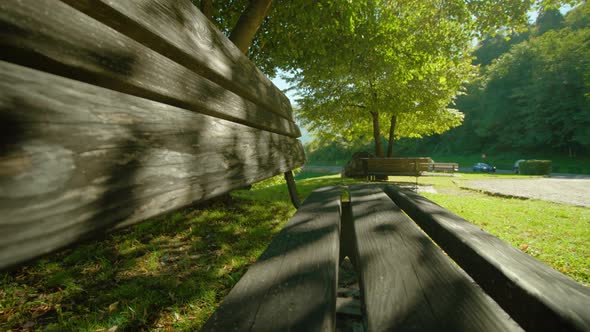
(374, 167)
(112, 112)
(443, 167)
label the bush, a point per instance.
(535, 167)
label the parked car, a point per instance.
(483, 167)
(516, 165)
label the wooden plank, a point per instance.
(76, 159)
(536, 296)
(397, 165)
(178, 30)
(445, 167)
(51, 36)
(292, 286)
(406, 282)
(348, 306)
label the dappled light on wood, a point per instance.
(107, 131)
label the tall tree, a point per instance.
(549, 19)
(359, 64)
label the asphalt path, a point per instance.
(561, 188)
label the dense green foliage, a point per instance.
(534, 94)
(392, 68)
(535, 167)
(532, 100)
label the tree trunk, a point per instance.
(249, 22)
(376, 135)
(207, 9)
(391, 136)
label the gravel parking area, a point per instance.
(574, 190)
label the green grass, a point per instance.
(171, 272)
(556, 234)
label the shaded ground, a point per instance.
(573, 190)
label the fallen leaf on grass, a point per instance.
(524, 247)
(113, 307)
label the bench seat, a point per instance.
(293, 284)
(406, 282)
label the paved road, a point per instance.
(571, 189)
(561, 188)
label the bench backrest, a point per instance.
(112, 112)
(453, 167)
(396, 165)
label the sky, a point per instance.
(282, 85)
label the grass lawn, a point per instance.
(557, 234)
(170, 273)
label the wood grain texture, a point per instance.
(536, 296)
(443, 167)
(292, 286)
(77, 159)
(51, 36)
(407, 283)
(178, 30)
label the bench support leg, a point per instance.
(292, 189)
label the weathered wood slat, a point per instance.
(406, 282)
(292, 286)
(51, 36)
(76, 159)
(536, 296)
(178, 30)
(409, 166)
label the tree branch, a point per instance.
(356, 105)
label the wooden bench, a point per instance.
(374, 167)
(112, 112)
(443, 167)
(407, 282)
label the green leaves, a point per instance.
(536, 96)
(401, 58)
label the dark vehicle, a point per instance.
(483, 167)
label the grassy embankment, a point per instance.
(171, 272)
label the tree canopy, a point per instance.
(534, 94)
(360, 64)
